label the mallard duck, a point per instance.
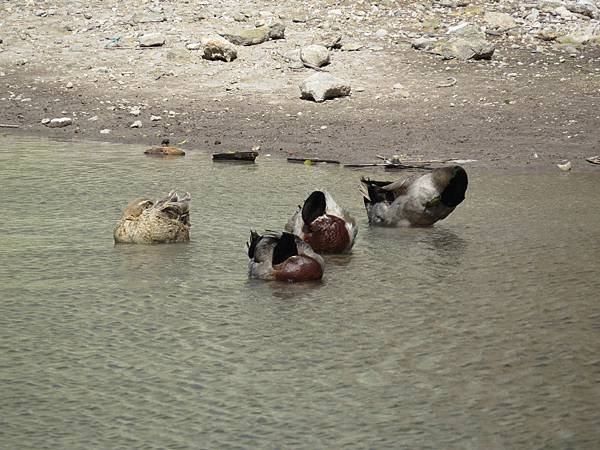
(326, 226)
(417, 201)
(164, 150)
(148, 222)
(283, 257)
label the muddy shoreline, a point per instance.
(529, 107)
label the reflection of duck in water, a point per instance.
(326, 226)
(415, 201)
(283, 257)
(164, 150)
(146, 222)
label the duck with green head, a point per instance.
(282, 257)
(325, 225)
(417, 201)
(147, 222)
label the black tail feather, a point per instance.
(254, 239)
(376, 194)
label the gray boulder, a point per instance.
(499, 21)
(323, 86)
(276, 31)
(585, 35)
(329, 40)
(315, 55)
(584, 7)
(218, 49)
(254, 36)
(464, 43)
(152, 40)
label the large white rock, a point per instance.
(322, 86)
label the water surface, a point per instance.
(481, 332)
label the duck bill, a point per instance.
(298, 268)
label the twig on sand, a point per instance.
(451, 82)
(8, 125)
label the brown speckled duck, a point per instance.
(326, 226)
(148, 222)
(417, 201)
(282, 257)
(164, 150)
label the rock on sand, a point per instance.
(215, 48)
(322, 86)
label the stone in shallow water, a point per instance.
(322, 86)
(58, 122)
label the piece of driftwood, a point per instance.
(312, 160)
(406, 166)
(388, 166)
(593, 159)
(249, 156)
(9, 125)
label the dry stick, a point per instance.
(8, 125)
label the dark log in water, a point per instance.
(235, 156)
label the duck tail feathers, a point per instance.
(251, 244)
(314, 206)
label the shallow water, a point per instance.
(481, 332)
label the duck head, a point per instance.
(325, 225)
(283, 257)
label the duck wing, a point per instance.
(381, 191)
(260, 247)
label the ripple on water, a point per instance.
(481, 332)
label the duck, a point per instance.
(417, 201)
(282, 256)
(164, 150)
(147, 222)
(323, 224)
